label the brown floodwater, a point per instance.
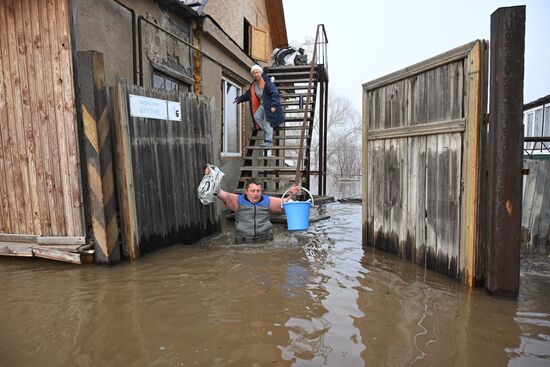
(306, 299)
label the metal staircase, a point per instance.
(303, 91)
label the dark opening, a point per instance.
(246, 36)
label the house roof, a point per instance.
(539, 102)
(276, 17)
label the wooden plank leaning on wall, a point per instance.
(471, 255)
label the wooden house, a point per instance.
(70, 146)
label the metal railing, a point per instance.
(319, 57)
(542, 148)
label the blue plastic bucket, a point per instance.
(297, 213)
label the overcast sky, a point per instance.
(369, 39)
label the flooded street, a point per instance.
(306, 299)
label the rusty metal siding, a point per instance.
(40, 182)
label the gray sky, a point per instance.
(369, 39)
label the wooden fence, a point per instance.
(159, 166)
(422, 132)
(40, 177)
(535, 221)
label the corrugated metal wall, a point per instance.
(40, 182)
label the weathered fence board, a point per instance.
(417, 122)
(535, 220)
(160, 166)
(40, 187)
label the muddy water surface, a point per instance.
(306, 299)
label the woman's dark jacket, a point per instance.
(270, 99)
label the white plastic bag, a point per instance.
(210, 185)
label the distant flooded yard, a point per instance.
(305, 299)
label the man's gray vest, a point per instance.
(253, 222)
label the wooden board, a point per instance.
(40, 186)
(417, 130)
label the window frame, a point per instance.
(239, 119)
(183, 85)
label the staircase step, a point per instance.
(282, 137)
(272, 159)
(287, 128)
(294, 119)
(286, 180)
(273, 169)
(295, 102)
(296, 87)
(294, 80)
(296, 110)
(291, 74)
(289, 69)
(275, 147)
(284, 96)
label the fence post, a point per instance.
(505, 150)
(97, 149)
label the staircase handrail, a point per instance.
(314, 62)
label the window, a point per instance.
(246, 36)
(231, 120)
(167, 83)
(536, 123)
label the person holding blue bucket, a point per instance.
(253, 210)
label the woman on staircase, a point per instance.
(265, 104)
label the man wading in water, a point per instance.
(253, 210)
(265, 104)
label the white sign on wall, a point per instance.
(154, 108)
(174, 111)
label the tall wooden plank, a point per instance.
(125, 172)
(455, 191)
(529, 184)
(69, 117)
(32, 133)
(442, 208)
(421, 204)
(368, 193)
(432, 184)
(8, 201)
(54, 181)
(19, 139)
(59, 116)
(412, 196)
(378, 196)
(14, 101)
(393, 196)
(48, 219)
(387, 204)
(405, 243)
(538, 196)
(474, 110)
(541, 236)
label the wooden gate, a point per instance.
(159, 166)
(40, 176)
(535, 220)
(422, 131)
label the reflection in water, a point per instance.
(306, 299)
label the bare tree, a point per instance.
(343, 137)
